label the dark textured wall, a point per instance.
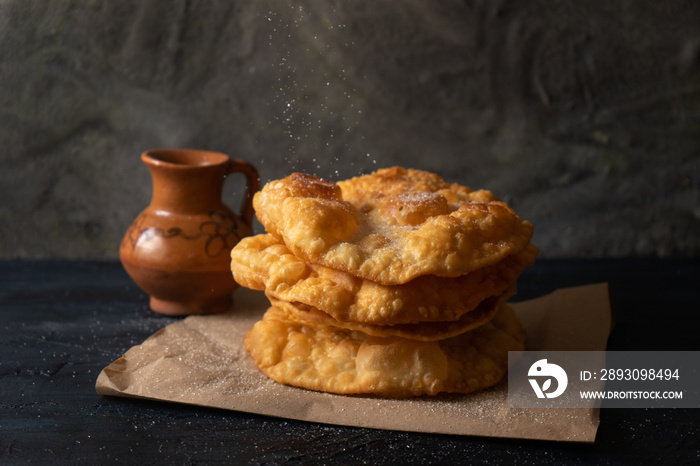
(585, 116)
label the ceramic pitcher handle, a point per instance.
(252, 186)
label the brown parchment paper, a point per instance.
(200, 360)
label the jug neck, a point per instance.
(184, 187)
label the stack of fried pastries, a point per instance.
(393, 283)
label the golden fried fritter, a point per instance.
(423, 331)
(331, 359)
(391, 226)
(262, 262)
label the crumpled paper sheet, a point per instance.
(201, 361)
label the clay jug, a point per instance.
(178, 249)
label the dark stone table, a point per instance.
(62, 322)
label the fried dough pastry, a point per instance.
(391, 226)
(331, 359)
(423, 331)
(262, 262)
